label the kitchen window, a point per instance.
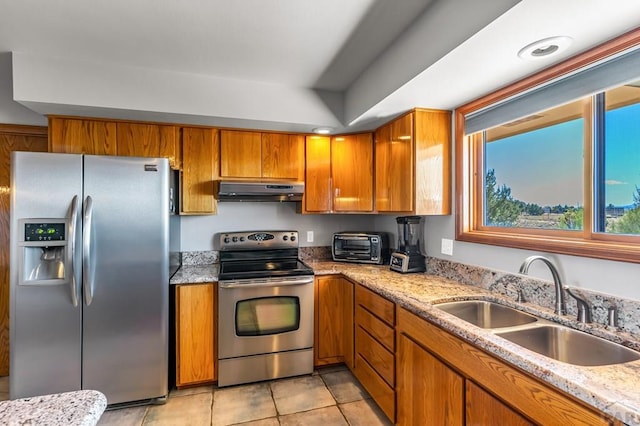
(552, 163)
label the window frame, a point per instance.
(469, 187)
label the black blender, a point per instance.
(408, 257)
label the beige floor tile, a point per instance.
(123, 417)
(344, 387)
(273, 421)
(190, 410)
(364, 413)
(240, 404)
(328, 416)
(300, 394)
(190, 391)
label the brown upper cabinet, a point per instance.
(98, 137)
(339, 174)
(200, 150)
(261, 155)
(79, 136)
(149, 140)
(413, 164)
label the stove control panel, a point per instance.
(257, 240)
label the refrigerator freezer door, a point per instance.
(45, 325)
(125, 339)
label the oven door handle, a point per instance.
(265, 283)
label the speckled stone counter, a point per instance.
(191, 274)
(613, 389)
(70, 408)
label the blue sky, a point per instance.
(545, 166)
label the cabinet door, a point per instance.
(433, 162)
(317, 196)
(240, 154)
(149, 140)
(76, 136)
(394, 166)
(329, 321)
(352, 173)
(428, 392)
(200, 168)
(482, 408)
(282, 156)
(195, 334)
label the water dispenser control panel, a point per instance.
(44, 231)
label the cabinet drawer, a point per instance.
(377, 305)
(379, 358)
(374, 326)
(379, 390)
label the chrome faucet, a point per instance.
(560, 304)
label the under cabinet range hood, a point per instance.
(260, 191)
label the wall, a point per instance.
(12, 112)
(197, 232)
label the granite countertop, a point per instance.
(70, 408)
(612, 389)
(193, 274)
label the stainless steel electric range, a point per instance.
(265, 307)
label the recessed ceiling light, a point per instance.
(545, 47)
(322, 130)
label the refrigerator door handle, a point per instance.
(87, 260)
(72, 218)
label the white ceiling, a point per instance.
(347, 64)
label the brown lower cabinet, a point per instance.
(333, 333)
(375, 348)
(443, 380)
(196, 331)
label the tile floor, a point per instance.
(331, 396)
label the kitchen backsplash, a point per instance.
(514, 286)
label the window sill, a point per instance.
(608, 250)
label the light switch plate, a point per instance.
(309, 236)
(447, 246)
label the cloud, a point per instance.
(615, 182)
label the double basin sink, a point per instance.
(539, 335)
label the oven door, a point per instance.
(264, 316)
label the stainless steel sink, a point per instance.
(486, 314)
(570, 346)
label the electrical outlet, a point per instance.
(447, 246)
(309, 236)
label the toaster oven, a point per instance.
(361, 247)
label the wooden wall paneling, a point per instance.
(79, 136)
(12, 138)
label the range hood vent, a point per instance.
(260, 191)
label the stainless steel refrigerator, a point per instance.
(89, 275)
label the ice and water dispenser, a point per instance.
(44, 252)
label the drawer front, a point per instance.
(379, 390)
(378, 305)
(378, 357)
(378, 329)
